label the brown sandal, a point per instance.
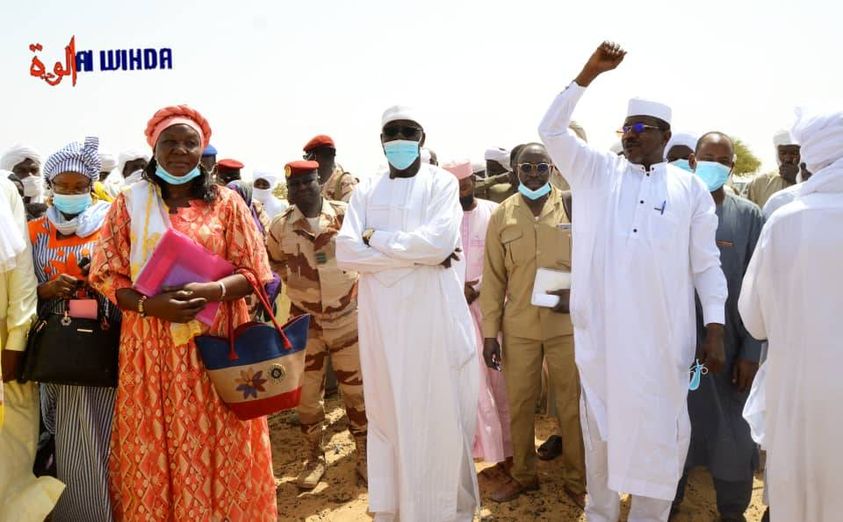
(512, 489)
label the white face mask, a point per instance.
(33, 187)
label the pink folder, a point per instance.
(178, 260)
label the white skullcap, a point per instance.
(681, 138)
(131, 155)
(107, 162)
(821, 136)
(642, 107)
(783, 137)
(499, 155)
(425, 156)
(399, 112)
(16, 154)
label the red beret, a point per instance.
(298, 168)
(230, 164)
(322, 140)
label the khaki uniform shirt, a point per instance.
(763, 186)
(517, 244)
(339, 186)
(307, 262)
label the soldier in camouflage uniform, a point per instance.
(301, 249)
(337, 184)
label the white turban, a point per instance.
(131, 155)
(821, 136)
(17, 154)
(478, 167)
(642, 107)
(399, 112)
(681, 138)
(499, 155)
(107, 162)
(115, 182)
(271, 204)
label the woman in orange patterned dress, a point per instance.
(177, 452)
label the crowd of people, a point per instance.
(666, 320)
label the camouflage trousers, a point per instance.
(336, 339)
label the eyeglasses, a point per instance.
(405, 131)
(529, 168)
(637, 128)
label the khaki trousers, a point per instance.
(522, 368)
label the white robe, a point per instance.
(417, 349)
(643, 241)
(792, 296)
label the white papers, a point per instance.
(548, 279)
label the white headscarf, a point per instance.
(12, 241)
(17, 154)
(272, 205)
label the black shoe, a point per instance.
(732, 518)
(766, 517)
(551, 448)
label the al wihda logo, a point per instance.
(106, 60)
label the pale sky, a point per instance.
(269, 75)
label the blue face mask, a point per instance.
(72, 204)
(697, 371)
(177, 180)
(713, 174)
(534, 194)
(401, 153)
(682, 164)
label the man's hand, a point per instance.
(492, 353)
(453, 257)
(367, 235)
(62, 287)
(564, 304)
(608, 56)
(10, 362)
(743, 374)
(712, 353)
(471, 294)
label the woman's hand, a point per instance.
(62, 287)
(180, 306)
(209, 291)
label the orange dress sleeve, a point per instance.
(244, 244)
(110, 265)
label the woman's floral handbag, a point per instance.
(258, 369)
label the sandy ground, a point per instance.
(339, 498)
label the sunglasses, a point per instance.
(405, 131)
(529, 168)
(637, 128)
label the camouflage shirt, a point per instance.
(307, 262)
(339, 186)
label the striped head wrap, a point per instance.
(75, 157)
(175, 115)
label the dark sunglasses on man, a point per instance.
(406, 131)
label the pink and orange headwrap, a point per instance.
(175, 115)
